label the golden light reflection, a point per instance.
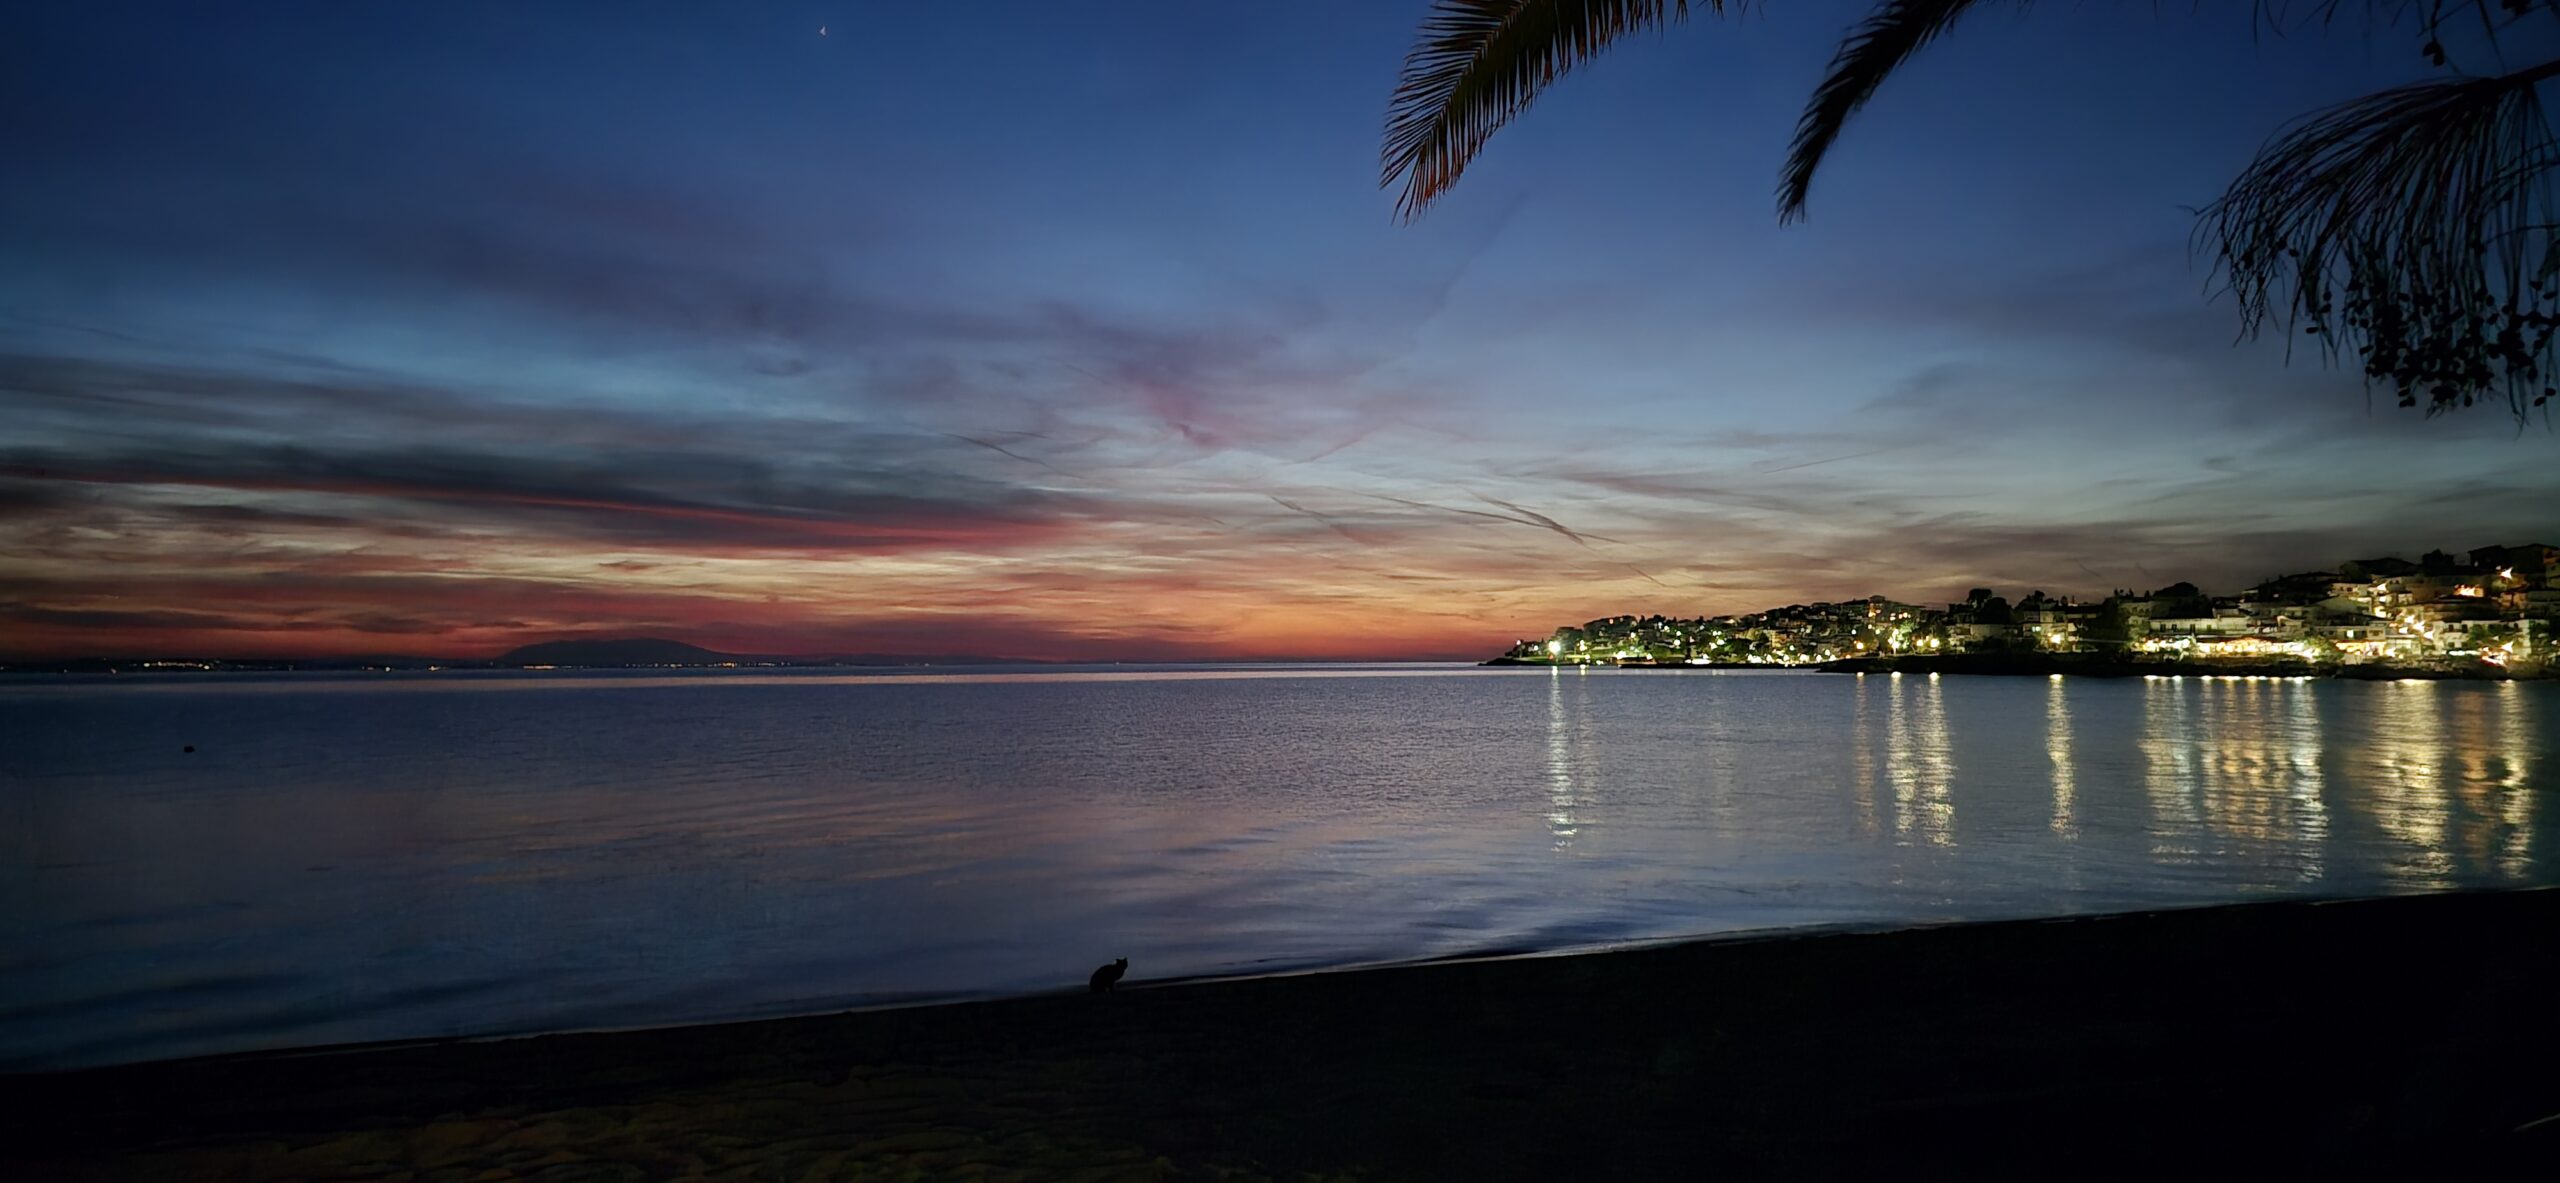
(1564, 760)
(2406, 740)
(2249, 781)
(2243, 777)
(2309, 789)
(2057, 748)
(2232, 763)
(1921, 764)
(1862, 748)
(2169, 768)
(2493, 737)
(2514, 792)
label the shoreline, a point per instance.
(2341, 1034)
(2077, 665)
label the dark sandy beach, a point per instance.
(2413, 1036)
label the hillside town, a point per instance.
(2496, 607)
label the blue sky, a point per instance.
(1087, 331)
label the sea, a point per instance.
(354, 857)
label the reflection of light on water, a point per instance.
(2245, 784)
(2168, 766)
(1862, 753)
(2232, 764)
(792, 842)
(2230, 769)
(2513, 793)
(2057, 748)
(1563, 794)
(1919, 758)
(2496, 798)
(2409, 798)
(2302, 757)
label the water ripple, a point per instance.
(507, 853)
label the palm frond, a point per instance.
(1478, 63)
(1874, 49)
(2415, 227)
(2431, 14)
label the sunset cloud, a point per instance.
(458, 360)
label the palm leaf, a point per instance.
(1479, 63)
(1875, 48)
(1897, 29)
(2415, 226)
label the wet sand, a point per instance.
(2415, 1036)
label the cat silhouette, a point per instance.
(1109, 976)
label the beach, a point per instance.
(2275, 1036)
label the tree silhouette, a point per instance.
(2412, 227)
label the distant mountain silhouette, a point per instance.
(625, 651)
(576, 652)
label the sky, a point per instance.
(1086, 332)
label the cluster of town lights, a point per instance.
(2435, 612)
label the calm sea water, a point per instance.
(373, 857)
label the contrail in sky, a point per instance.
(1000, 449)
(1825, 460)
